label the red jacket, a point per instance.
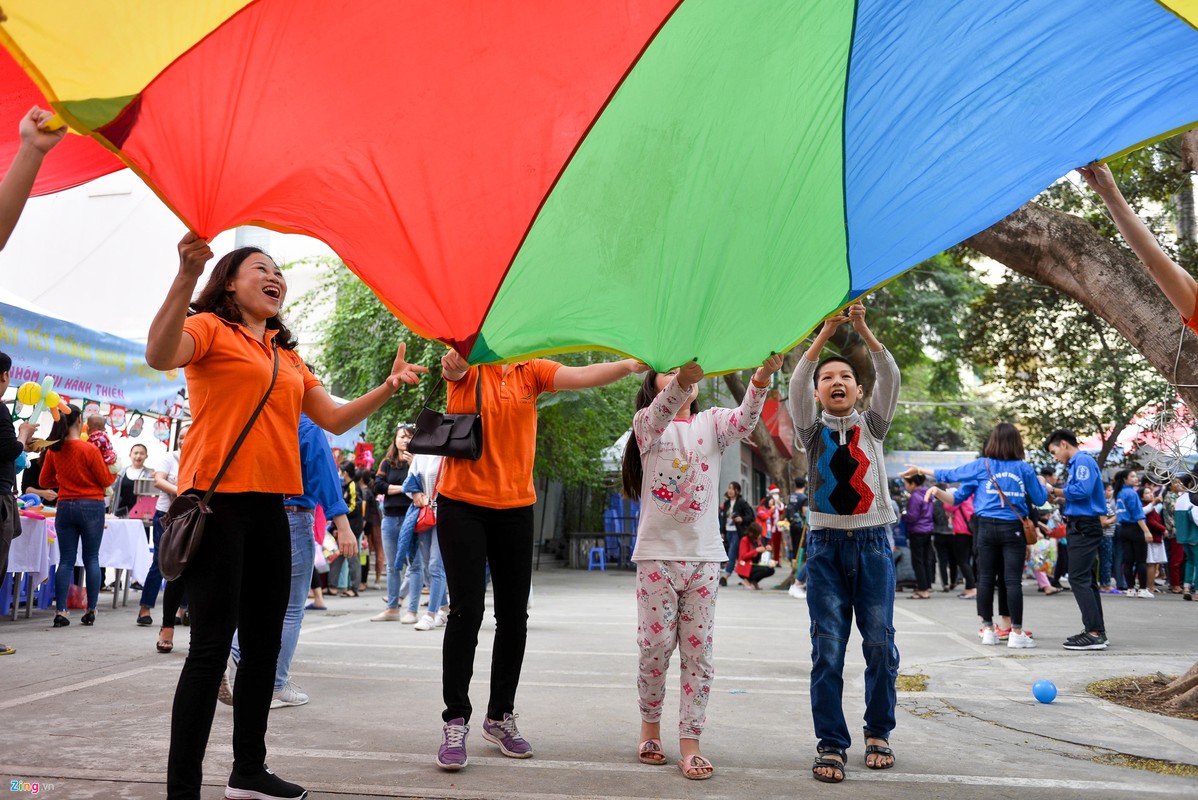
(77, 471)
(747, 557)
(1156, 525)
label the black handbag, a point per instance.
(450, 435)
(183, 524)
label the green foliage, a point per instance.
(575, 427)
(1060, 365)
(919, 317)
(357, 345)
(358, 337)
(926, 420)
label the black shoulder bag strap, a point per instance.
(246, 430)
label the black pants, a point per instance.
(758, 572)
(923, 559)
(962, 545)
(1001, 539)
(239, 579)
(1135, 555)
(471, 537)
(946, 557)
(1085, 537)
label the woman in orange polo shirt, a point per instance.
(73, 466)
(224, 341)
(1179, 286)
(484, 516)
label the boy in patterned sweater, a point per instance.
(850, 570)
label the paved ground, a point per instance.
(87, 710)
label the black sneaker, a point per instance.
(1086, 641)
(263, 786)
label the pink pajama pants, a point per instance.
(676, 609)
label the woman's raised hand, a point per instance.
(689, 374)
(402, 371)
(768, 368)
(194, 253)
(453, 366)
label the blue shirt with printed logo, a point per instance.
(1128, 505)
(1017, 480)
(1084, 495)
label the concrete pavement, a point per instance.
(87, 709)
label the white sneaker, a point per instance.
(1020, 641)
(442, 619)
(796, 591)
(426, 623)
(225, 692)
(989, 636)
(1144, 593)
(289, 695)
(408, 617)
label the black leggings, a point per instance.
(962, 545)
(239, 580)
(946, 557)
(1135, 555)
(923, 560)
(471, 537)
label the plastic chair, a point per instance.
(598, 558)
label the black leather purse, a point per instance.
(183, 523)
(450, 435)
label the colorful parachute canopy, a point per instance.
(704, 178)
(75, 160)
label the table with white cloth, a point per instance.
(31, 554)
(123, 548)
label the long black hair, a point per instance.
(216, 299)
(633, 469)
(1120, 480)
(62, 427)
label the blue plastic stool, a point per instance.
(598, 558)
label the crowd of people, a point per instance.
(257, 459)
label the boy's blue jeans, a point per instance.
(851, 573)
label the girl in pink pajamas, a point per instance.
(671, 463)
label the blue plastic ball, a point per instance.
(1044, 691)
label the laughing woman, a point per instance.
(230, 339)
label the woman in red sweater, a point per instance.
(751, 549)
(75, 468)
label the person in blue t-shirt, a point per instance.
(1085, 505)
(1133, 530)
(1001, 483)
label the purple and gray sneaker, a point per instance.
(452, 753)
(505, 734)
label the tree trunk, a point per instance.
(1064, 252)
(781, 470)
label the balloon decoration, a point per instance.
(40, 397)
(667, 179)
